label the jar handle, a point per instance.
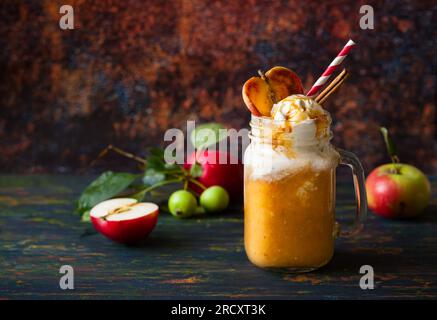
(349, 159)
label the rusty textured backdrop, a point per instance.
(132, 69)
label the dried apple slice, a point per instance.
(260, 93)
(257, 96)
(284, 82)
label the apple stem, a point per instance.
(194, 181)
(272, 93)
(391, 149)
(262, 75)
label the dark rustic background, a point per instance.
(132, 69)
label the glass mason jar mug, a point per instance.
(289, 195)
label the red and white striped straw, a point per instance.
(334, 64)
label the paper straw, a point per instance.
(331, 68)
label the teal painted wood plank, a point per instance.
(196, 258)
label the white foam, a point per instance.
(270, 163)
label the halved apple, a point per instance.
(260, 93)
(124, 220)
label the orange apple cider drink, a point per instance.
(289, 187)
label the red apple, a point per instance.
(124, 220)
(397, 191)
(228, 175)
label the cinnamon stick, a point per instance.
(332, 87)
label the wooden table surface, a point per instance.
(196, 258)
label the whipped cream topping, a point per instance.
(297, 108)
(303, 116)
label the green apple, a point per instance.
(182, 204)
(214, 199)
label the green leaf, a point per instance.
(157, 152)
(196, 170)
(169, 167)
(155, 159)
(207, 135)
(106, 186)
(152, 176)
(155, 163)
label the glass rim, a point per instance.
(262, 129)
(269, 121)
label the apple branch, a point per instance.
(119, 151)
(141, 194)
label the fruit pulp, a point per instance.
(289, 222)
